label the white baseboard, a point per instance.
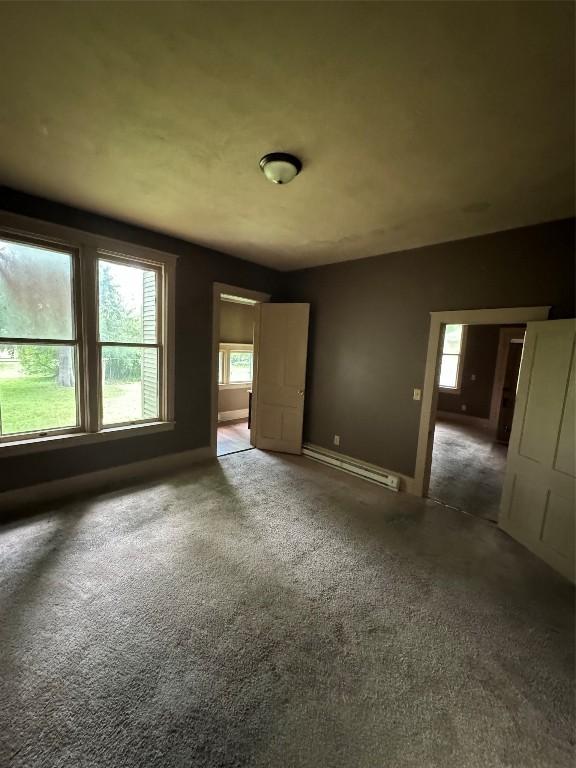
(394, 481)
(242, 413)
(102, 479)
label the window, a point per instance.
(129, 351)
(235, 362)
(80, 362)
(452, 354)
(38, 339)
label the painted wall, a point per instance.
(198, 268)
(236, 323)
(368, 335)
(479, 361)
(370, 322)
(236, 326)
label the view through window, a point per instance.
(452, 350)
(38, 345)
(127, 319)
(42, 375)
(235, 364)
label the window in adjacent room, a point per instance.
(452, 357)
(72, 363)
(235, 364)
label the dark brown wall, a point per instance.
(370, 322)
(480, 361)
(197, 269)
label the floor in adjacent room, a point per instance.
(233, 436)
(468, 469)
(266, 611)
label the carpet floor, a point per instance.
(468, 469)
(268, 611)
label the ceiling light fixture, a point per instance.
(279, 167)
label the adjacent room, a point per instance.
(287, 384)
(235, 372)
(476, 395)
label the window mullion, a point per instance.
(90, 339)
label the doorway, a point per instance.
(233, 367)
(475, 398)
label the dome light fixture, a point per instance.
(280, 168)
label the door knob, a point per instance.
(300, 392)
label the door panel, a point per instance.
(565, 457)
(558, 533)
(539, 488)
(281, 348)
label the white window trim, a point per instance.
(457, 390)
(227, 348)
(87, 248)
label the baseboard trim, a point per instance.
(464, 418)
(103, 479)
(394, 481)
(242, 413)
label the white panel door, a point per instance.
(281, 342)
(538, 500)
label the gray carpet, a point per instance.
(267, 611)
(468, 469)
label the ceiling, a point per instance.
(416, 122)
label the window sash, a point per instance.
(13, 437)
(151, 420)
(224, 352)
(76, 342)
(459, 365)
(116, 258)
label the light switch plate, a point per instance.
(336, 439)
(417, 394)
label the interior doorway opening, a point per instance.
(234, 367)
(475, 394)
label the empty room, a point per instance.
(287, 384)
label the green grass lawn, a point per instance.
(32, 404)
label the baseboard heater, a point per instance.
(362, 469)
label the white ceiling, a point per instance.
(416, 122)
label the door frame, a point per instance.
(507, 337)
(243, 293)
(501, 316)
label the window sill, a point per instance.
(245, 385)
(38, 444)
(450, 390)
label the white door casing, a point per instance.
(538, 500)
(281, 342)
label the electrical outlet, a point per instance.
(473, 377)
(417, 394)
(463, 407)
(336, 439)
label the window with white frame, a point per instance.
(78, 360)
(452, 357)
(235, 365)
